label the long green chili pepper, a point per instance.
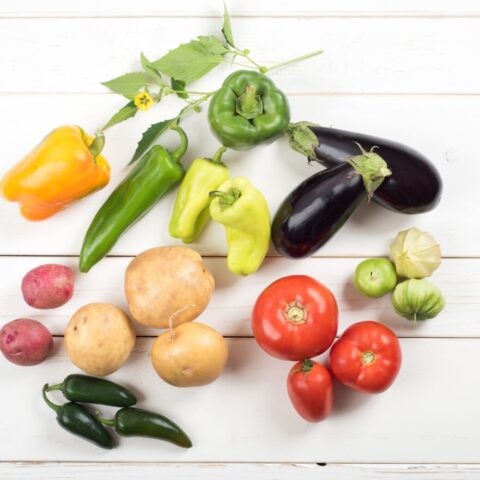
(136, 422)
(83, 388)
(78, 420)
(152, 177)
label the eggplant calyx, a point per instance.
(372, 167)
(302, 139)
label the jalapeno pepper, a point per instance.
(82, 388)
(155, 174)
(136, 422)
(78, 420)
(191, 209)
(247, 110)
(243, 210)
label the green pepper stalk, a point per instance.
(243, 210)
(248, 110)
(78, 420)
(136, 422)
(191, 210)
(83, 388)
(153, 176)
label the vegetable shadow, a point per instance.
(379, 219)
(346, 399)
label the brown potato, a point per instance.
(167, 286)
(191, 355)
(99, 338)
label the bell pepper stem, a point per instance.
(217, 157)
(293, 60)
(249, 105)
(56, 408)
(97, 145)
(180, 151)
(227, 199)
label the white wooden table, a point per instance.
(406, 70)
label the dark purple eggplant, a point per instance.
(415, 185)
(313, 212)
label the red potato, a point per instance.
(48, 286)
(25, 342)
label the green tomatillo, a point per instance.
(248, 110)
(375, 277)
(417, 300)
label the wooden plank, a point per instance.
(246, 414)
(237, 471)
(414, 55)
(230, 308)
(448, 143)
(91, 8)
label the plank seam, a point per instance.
(299, 16)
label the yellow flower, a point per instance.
(143, 101)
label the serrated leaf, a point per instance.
(191, 61)
(302, 139)
(212, 44)
(227, 27)
(129, 84)
(126, 112)
(151, 70)
(179, 87)
(150, 135)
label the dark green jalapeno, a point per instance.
(78, 420)
(83, 388)
(131, 421)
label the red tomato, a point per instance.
(310, 388)
(295, 317)
(367, 357)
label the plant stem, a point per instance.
(106, 421)
(56, 408)
(244, 65)
(293, 60)
(241, 53)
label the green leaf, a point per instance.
(191, 61)
(302, 139)
(179, 86)
(150, 135)
(126, 112)
(212, 44)
(129, 84)
(151, 70)
(227, 27)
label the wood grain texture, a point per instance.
(246, 414)
(441, 127)
(59, 8)
(234, 471)
(230, 308)
(403, 70)
(371, 55)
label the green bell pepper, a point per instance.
(153, 176)
(247, 110)
(243, 210)
(191, 209)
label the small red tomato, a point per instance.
(367, 357)
(310, 389)
(295, 317)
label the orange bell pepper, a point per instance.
(63, 168)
